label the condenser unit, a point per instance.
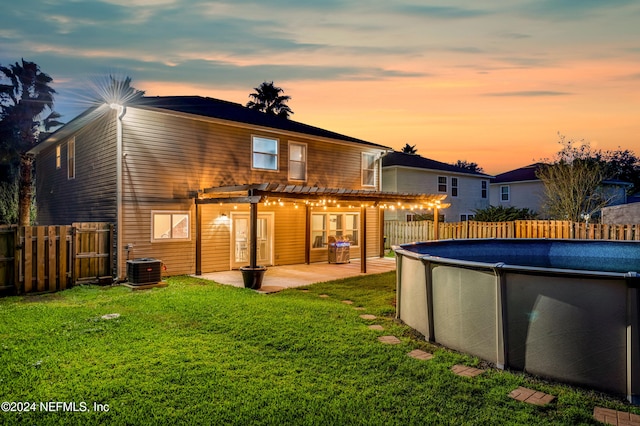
(144, 271)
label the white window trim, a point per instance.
(170, 212)
(306, 161)
(446, 185)
(508, 193)
(327, 214)
(58, 157)
(71, 158)
(362, 169)
(456, 186)
(277, 154)
(484, 186)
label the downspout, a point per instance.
(121, 110)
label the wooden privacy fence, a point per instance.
(397, 232)
(50, 258)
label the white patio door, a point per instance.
(240, 239)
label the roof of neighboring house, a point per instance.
(225, 110)
(528, 173)
(522, 174)
(413, 160)
(205, 107)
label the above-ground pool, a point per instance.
(562, 309)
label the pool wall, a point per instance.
(574, 326)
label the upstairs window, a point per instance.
(297, 161)
(442, 184)
(71, 158)
(265, 153)
(484, 189)
(58, 157)
(368, 169)
(454, 187)
(504, 193)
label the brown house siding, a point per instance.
(169, 156)
(91, 196)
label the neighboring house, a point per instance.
(465, 190)
(179, 176)
(522, 188)
(519, 188)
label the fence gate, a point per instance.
(93, 252)
(50, 258)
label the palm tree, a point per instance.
(116, 90)
(23, 120)
(269, 99)
(409, 149)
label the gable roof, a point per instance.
(204, 107)
(231, 111)
(413, 160)
(526, 173)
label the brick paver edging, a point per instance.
(463, 370)
(613, 417)
(531, 396)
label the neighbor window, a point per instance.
(265, 153)
(454, 187)
(71, 158)
(466, 217)
(368, 169)
(340, 225)
(168, 226)
(442, 184)
(297, 161)
(504, 193)
(484, 189)
(58, 157)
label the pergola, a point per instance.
(311, 196)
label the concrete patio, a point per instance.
(289, 276)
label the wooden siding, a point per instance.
(178, 257)
(196, 154)
(91, 196)
(216, 238)
(168, 157)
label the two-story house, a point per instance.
(465, 190)
(190, 181)
(522, 188)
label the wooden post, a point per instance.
(381, 227)
(436, 225)
(53, 255)
(27, 258)
(363, 239)
(198, 239)
(307, 237)
(253, 247)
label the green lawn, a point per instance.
(196, 352)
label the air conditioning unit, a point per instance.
(144, 271)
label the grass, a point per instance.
(196, 352)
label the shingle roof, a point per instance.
(216, 108)
(413, 160)
(522, 174)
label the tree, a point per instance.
(464, 164)
(269, 99)
(116, 90)
(26, 114)
(572, 182)
(624, 165)
(409, 149)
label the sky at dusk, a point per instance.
(490, 82)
